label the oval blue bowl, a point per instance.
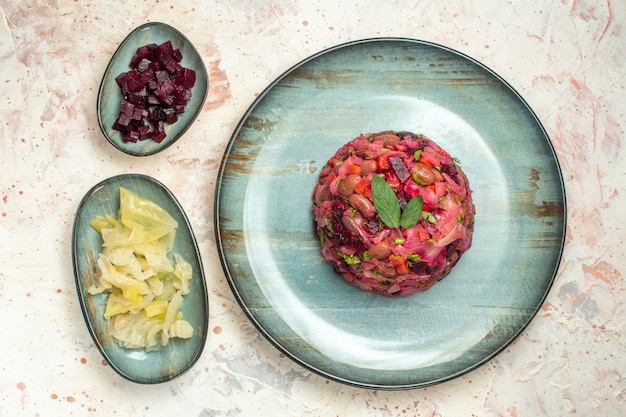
(137, 365)
(110, 95)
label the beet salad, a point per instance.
(393, 212)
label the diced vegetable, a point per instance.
(155, 91)
(145, 287)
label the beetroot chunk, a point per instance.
(187, 79)
(146, 52)
(155, 91)
(399, 168)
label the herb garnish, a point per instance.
(412, 212)
(388, 206)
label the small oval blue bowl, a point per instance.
(137, 365)
(110, 95)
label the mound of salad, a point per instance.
(393, 212)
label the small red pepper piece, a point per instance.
(383, 162)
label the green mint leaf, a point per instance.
(412, 212)
(386, 202)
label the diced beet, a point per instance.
(153, 100)
(156, 89)
(156, 65)
(144, 132)
(166, 48)
(133, 81)
(402, 201)
(179, 92)
(158, 134)
(147, 75)
(178, 71)
(143, 65)
(126, 107)
(165, 89)
(117, 126)
(187, 79)
(372, 225)
(123, 119)
(120, 80)
(400, 169)
(186, 96)
(134, 61)
(170, 100)
(161, 76)
(164, 58)
(156, 114)
(132, 136)
(139, 113)
(170, 115)
(171, 65)
(139, 98)
(171, 118)
(146, 51)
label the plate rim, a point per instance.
(268, 335)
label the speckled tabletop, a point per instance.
(566, 58)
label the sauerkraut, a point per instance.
(144, 286)
(393, 212)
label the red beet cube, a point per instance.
(139, 98)
(144, 132)
(147, 75)
(134, 61)
(123, 120)
(166, 48)
(153, 100)
(139, 113)
(171, 118)
(126, 107)
(171, 65)
(187, 78)
(132, 82)
(156, 114)
(165, 90)
(121, 82)
(146, 51)
(133, 136)
(143, 65)
(158, 134)
(183, 95)
(161, 76)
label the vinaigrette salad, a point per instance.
(393, 212)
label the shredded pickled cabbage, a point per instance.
(144, 286)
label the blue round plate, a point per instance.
(270, 253)
(137, 365)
